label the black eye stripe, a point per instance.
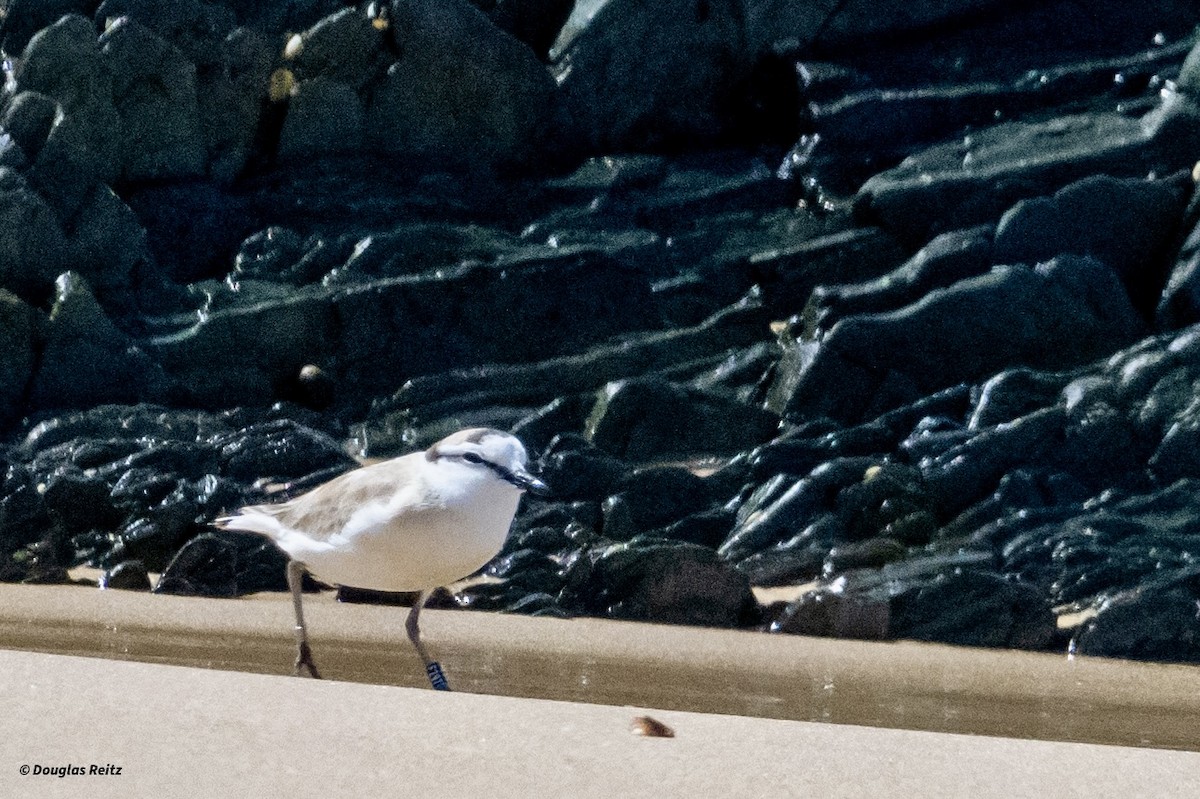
(501, 472)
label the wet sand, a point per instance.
(902, 685)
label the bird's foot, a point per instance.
(436, 677)
(304, 660)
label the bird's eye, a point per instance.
(471, 457)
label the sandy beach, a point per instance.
(194, 695)
(201, 733)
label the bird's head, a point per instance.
(497, 452)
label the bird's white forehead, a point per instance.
(494, 445)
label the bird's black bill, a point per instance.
(533, 485)
(522, 480)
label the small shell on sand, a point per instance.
(650, 728)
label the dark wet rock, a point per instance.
(534, 22)
(324, 117)
(491, 595)
(28, 119)
(23, 516)
(1013, 393)
(194, 26)
(998, 519)
(1178, 454)
(279, 448)
(618, 523)
(1102, 445)
(44, 561)
(543, 538)
(128, 575)
(799, 450)
(1113, 545)
(24, 18)
(973, 609)
(740, 373)
(537, 604)
(86, 360)
(347, 48)
(1179, 304)
(653, 497)
(312, 388)
(154, 92)
(163, 516)
(462, 93)
(640, 76)
(975, 179)
(280, 18)
(242, 355)
(1037, 492)
(230, 98)
(634, 356)
(944, 261)
(224, 565)
(1156, 620)
(786, 509)
(33, 248)
(789, 270)
(269, 255)
(964, 474)
(109, 247)
(365, 596)
(57, 149)
(527, 570)
(951, 597)
(708, 528)
(856, 19)
(958, 334)
(538, 429)
(869, 553)
(832, 614)
(79, 503)
(933, 435)
(64, 169)
(786, 564)
(243, 351)
(110, 424)
(578, 469)
(82, 145)
(643, 420)
(558, 525)
(139, 482)
(803, 447)
(192, 227)
(63, 61)
(892, 501)
(904, 96)
(20, 325)
(35, 546)
(657, 580)
(1125, 224)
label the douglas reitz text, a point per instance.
(91, 770)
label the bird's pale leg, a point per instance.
(304, 659)
(413, 626)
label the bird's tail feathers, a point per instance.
(251, 520)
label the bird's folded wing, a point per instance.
(326, 510)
